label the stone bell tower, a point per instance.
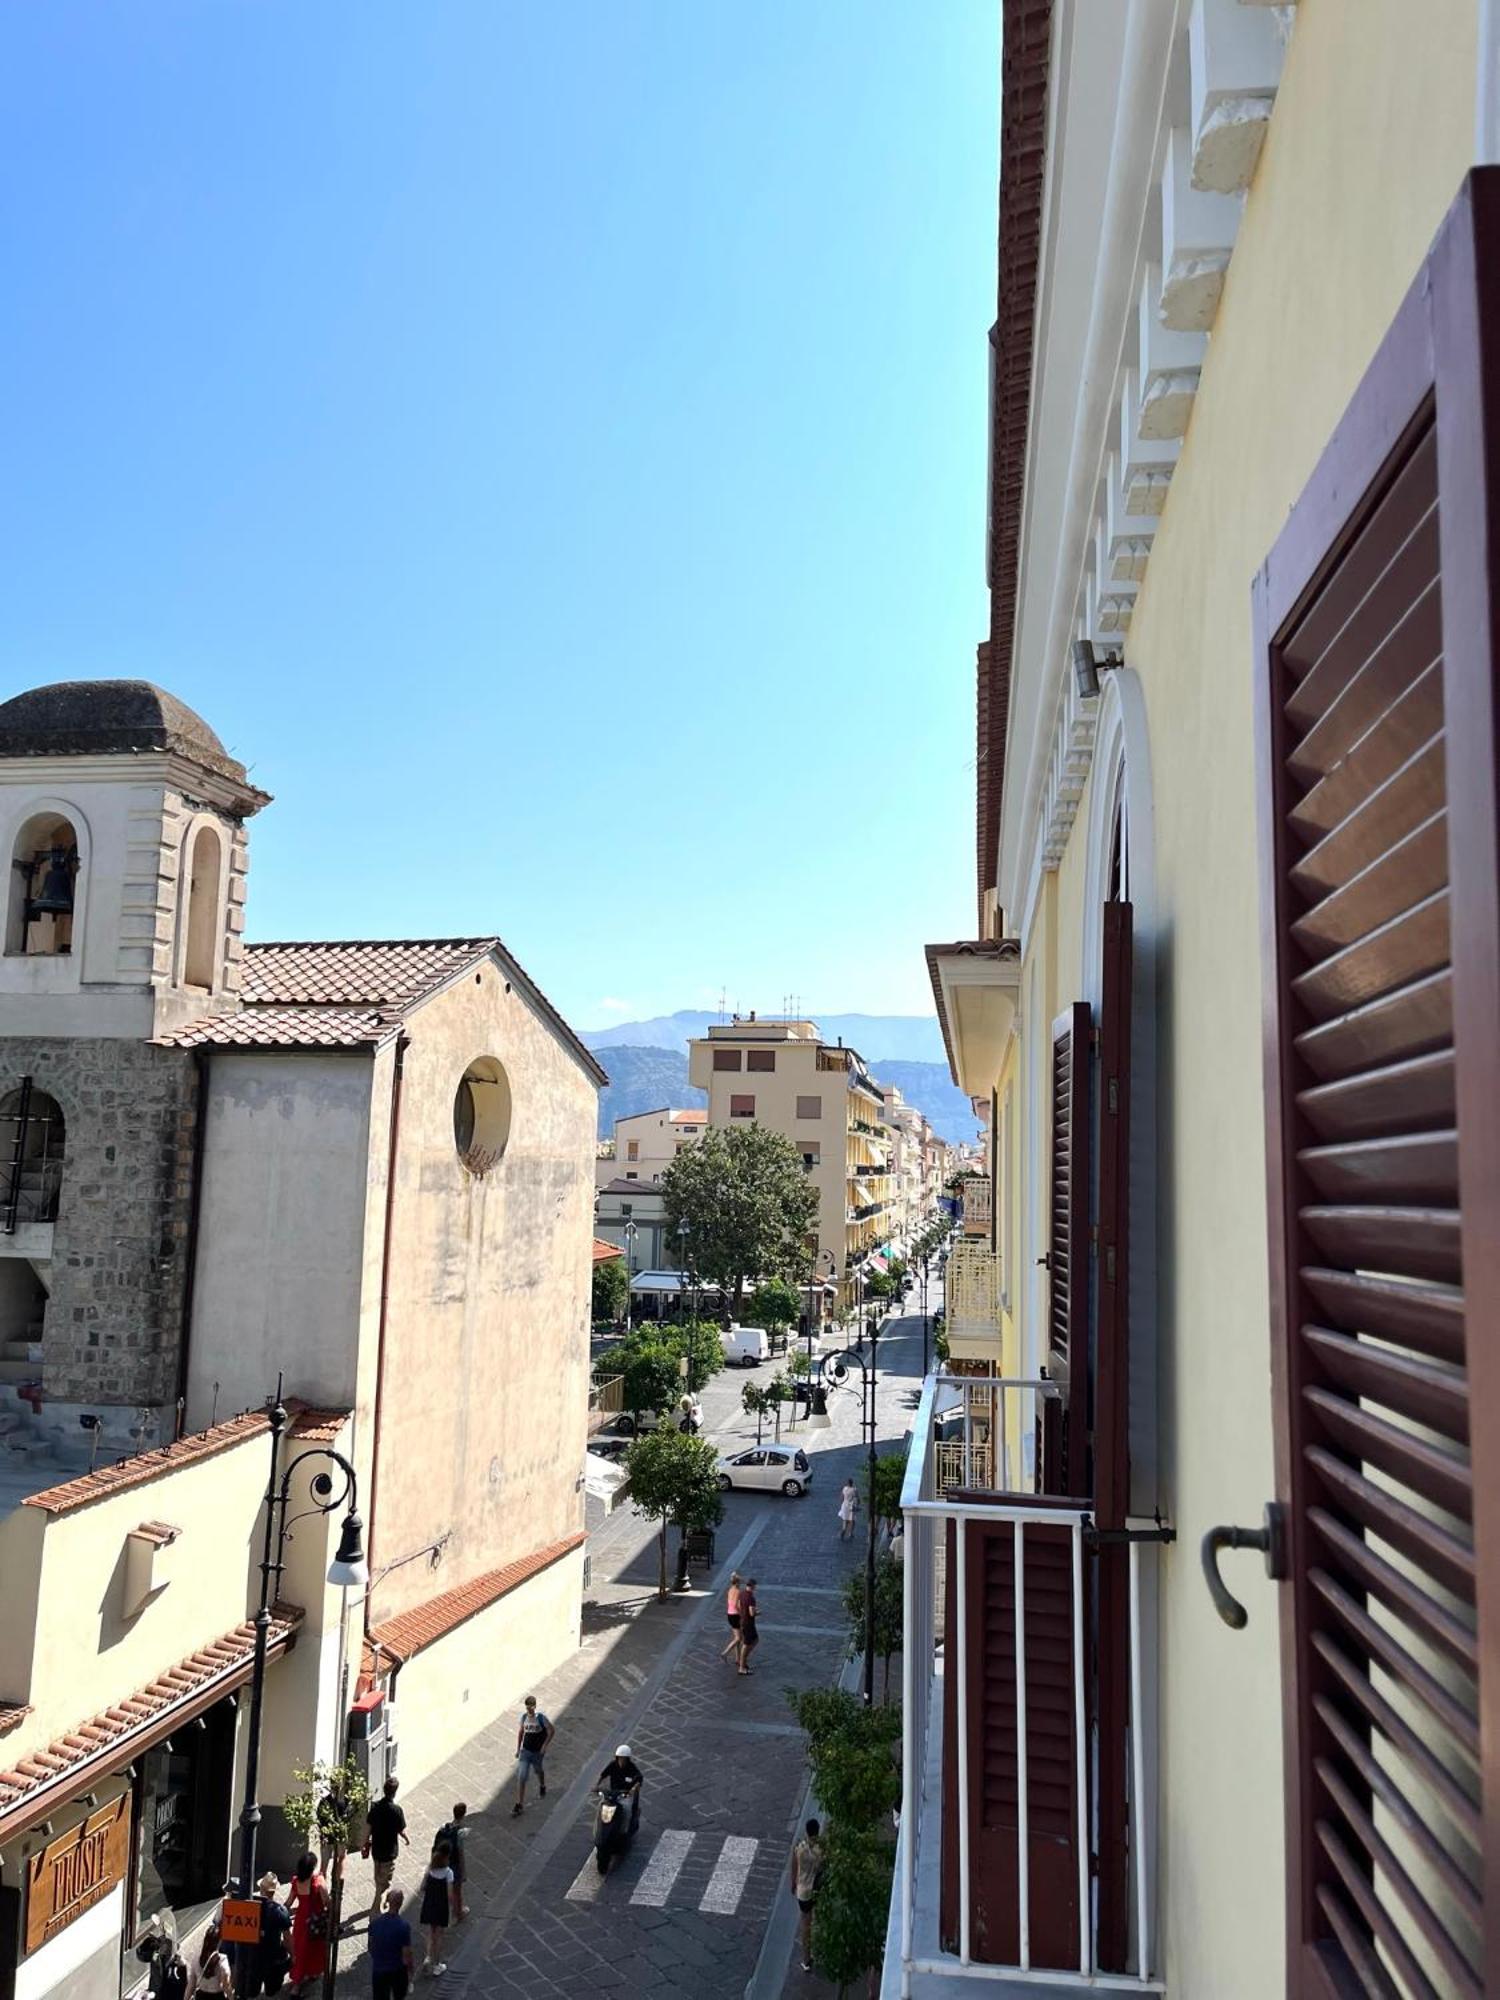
(122, 818)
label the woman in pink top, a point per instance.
(732, 1609)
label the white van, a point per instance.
(745, 1346)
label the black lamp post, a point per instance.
(926, 1323)
(347, 1570)
(835, 1369)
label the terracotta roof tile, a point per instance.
(212, 1669)
(286, 1028)
(106, 1480)
(161, 1533)
(409, 1631)
(604, 1252)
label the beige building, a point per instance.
(647, 1142)
(360, 1171)
(782, 1074)
(1232, 1000)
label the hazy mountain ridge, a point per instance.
(878, 1037)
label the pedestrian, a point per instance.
(385, 1830)
(456, 1835)
(264, 1966)
(749, 1626)
(533, 1733)
(732, 1608)
(848, 1508)
(307, 1899)
(211, 1975)
(437, 1906)
(807, 1879)
(390, 1950)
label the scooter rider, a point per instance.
(623, 1774)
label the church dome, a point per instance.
(109, 718)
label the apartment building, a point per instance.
(782, 1074)
(1218, 1689)
(647, 1142)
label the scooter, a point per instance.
(614, 1828)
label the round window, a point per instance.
(481, 1115)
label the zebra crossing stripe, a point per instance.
(731, 1872)
(587, 1882)
(662, 1870)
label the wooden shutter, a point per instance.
(1377, 762)
(989, 1663)
(1064, 1422)
(1109, 1483)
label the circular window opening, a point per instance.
(481, 1116)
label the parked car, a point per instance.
(622, 1425)
(611, 1444)
(770, 1466)
(745, 1346)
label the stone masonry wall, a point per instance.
(119, 1254)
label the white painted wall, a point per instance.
(281, 1230)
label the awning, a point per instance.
(602, 1478)
(669, 1283)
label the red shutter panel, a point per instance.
(1383, 1100)
(1064, 1420)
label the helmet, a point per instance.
(622, 1749)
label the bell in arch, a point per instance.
(55, 897)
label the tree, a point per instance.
(652, 1377)
(699, 1340)
(853, 1751)
(879, 1286)
(611, 1289)
(755, 1402)
(883, 1493)
(889, 1613)
(778, 1393)
(853, 1907)
(747, 1203)
(330, 1806)
(674, 1480)
(774, 1304)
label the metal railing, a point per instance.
(607, 1398)
(972, 1288)
(946, 1490)
(978, 1200)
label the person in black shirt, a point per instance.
(622, 1774)
(263, 1967)
(385, 1829)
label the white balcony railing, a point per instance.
(998, 1875)
(972, 1293)
(978, 1200)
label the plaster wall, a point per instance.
(1367, 146)
(657, 1142)
(281, 1266)
(486, 1667)
(484, 1401)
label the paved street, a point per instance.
(725, 1774)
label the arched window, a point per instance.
(43, 887)
(32, 1144)
(200, 959)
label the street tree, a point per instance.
(854, 1752)
(748, 1205)
(699, 1340)
(778, 1394)
(883, 1493)
(652, 1376)
(674, 1480)
(611, 1289)
(888, 1614)
(774, 1304)
(755, 1402)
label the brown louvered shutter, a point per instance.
(1063, 1421)
(1377, 691)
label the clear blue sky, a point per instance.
(546, 442)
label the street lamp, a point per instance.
(835, 1374)
(347, 1571)
(629, 1234)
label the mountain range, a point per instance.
(645, 1073)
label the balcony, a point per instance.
(979, 1207)
(972, 1282)
(1019, 1747)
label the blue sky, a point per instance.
(546, 442)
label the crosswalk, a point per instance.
(658, 1879)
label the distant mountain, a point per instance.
(642, 1079)
(902, 1037)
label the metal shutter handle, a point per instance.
(1270, 1540)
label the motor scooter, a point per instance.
(614, 1828)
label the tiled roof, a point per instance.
(352, 993)
(12, 1715)
(689, 1117)
(111, 1735)
(409, 1631)
(316, 1426)
(160, 1533)
(603, 1251)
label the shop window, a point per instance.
(741, 1106)
(43, 888)
(184, 1802)
(761, 1059)
(726, 1058)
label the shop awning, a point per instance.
(602, 1478)
(669, 1283)
(48, 1777)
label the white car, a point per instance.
(776, 1467)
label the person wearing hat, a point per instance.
(264, 1966)
(623, 1774)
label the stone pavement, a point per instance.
(686, 1911)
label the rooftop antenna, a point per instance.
(723, 1005)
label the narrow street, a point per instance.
(689, 1908)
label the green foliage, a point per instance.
(800, 1362)
(888, 1613)
(653, 1379)
(330, 1806)
(854, 1753)
(879, 1286)
(748, 1205)
(853, 1907)
(778, 1395)
(755, 1403)
(674, 1480)
(774, 1304)
(699, 1340)
(883, 1495)
(611, 1289)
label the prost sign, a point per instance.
(76, 1871)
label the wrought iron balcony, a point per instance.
(1002, 1872)
(972, 1282)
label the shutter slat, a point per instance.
(1417, 1167)
(1356, 1880)
(1365, 906)
(1428, 1691)
(1400, 1097)
(1424, 1541)
(1380, 679)
(1404, 582)
(1409, 796)
(1375, 1981)
(1434, 1621)
(1428, 1471)
(1407, 724)
(1403, 1739)
(1409, 947)
(1428, 1393)
(1413, 1020)
(1409, 1242)
(1429, 1318)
